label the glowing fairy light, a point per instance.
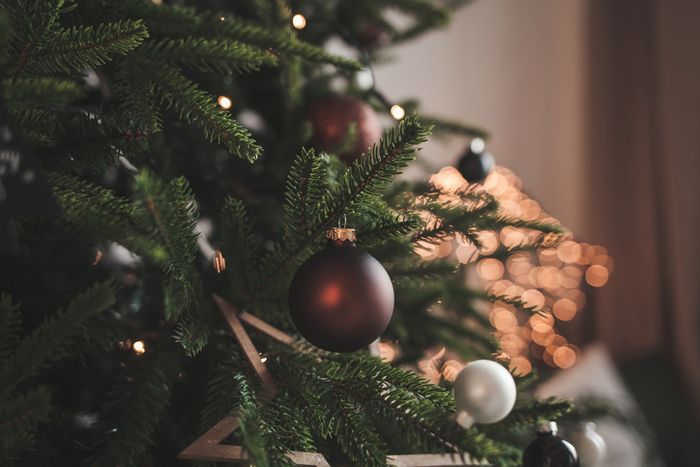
(397, 112)
(225, 102)
(298, 21)
(139, 347)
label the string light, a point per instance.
(225, 102)
(139, 347)
(397, 112)
(299, 21)
(548, 278)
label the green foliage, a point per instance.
(220, 56)
(195, 106)
(80, 48)
(19, 417)
(40, 92)
(10, 326)
(45, 343)
(133, 410)
(92, 85)
(240, 246)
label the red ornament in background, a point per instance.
(373, 35)
(333, 116)
(341, 299)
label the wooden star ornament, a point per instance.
(211, 447)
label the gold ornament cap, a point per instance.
(341, 236)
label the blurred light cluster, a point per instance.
(549, 278)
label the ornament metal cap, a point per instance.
(548, 427)
(341, 235)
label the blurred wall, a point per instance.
(515, 68)
(596, 106)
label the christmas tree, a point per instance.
(202, 151)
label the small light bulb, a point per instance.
(139, 347)
(298, 21)
(397, 112)
(477, 145)
(263, 359)
(222, 18)
(224, 102)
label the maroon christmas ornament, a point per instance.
(372, 35)
(341, 299)
(332, 117)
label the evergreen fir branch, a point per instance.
(221, 56)
(258, 436)
(46, 342)
(173, 218)
(39, 127)
(98, 211)
(134, 406)
(423, 270)
(240, 246)
(306, 185)
(136, 96)
(441, 125)
(195, 106)
(513, 301)
(19, 417)
(81, 48)
(178, 21)
(10, 326)
(363, 181)
(449, 220)
(387, 229)
(534, 412)
(283, 42)
(192, 331)
(355, 433)
(42, 92)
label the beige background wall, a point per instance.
(515, 68)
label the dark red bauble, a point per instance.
(341, 299)
(372, 35)
(331, 118)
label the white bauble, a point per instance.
(484, 392)
(590, 446)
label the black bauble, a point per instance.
(475, 165)
(341, 299)
(550, 450)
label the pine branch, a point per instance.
(221, 56)
(240, 246)
(387, 229)
(441, 125)
(173, 218)
(39, 92)
(133, 409)
(98, 211)
(38, 126)
(362, 182)
(306, 185)
(195, 106)
(137, 97)
(19, 417)
(81, 48)
(280, 41)
(10, 326)
(45, 343)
